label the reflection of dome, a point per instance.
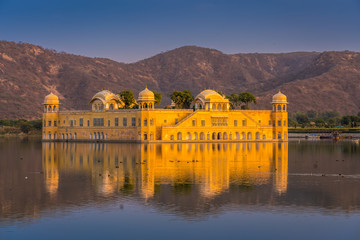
(51, 99)
(146, 95)
(279, 98)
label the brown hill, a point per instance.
(311, 80)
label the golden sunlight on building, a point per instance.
(130, 168)
(211, 119)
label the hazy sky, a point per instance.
(132, 30)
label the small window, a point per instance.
(71, 123)
(176, 120)
(151, 122)
(55, 123)
(108, 123)
(203, 123)
(44, 123)
(133, 122)
(194, 123)
(145, 122)
(125, 122)
(116, 122)
(139, 122)
(81, 122)
(279, 123)
(74, 122)
(49, 125)
(88, 123)
(235, 123)
(244, 123)
(284, 123)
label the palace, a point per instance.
(210, 119)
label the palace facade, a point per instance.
(210, 119)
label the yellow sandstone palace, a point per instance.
(212, 120)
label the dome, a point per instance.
(105, 96)
(210, 95)
(51, 99)
(146, 95)
(279, 98)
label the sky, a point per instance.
(132, 30)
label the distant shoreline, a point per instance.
(323, 130)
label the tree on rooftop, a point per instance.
(128, 98)
(182, 99)
(158, 97)
(246, 98)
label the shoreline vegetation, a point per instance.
(21, 127)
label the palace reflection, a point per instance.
(144, 168)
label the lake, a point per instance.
(296, 190)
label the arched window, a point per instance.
(214, 107)
(249, 136)
(49, 109)
(179, 136)
(284, 108)
(219, 107)
(111, 106)
(214, 136)
(225, 136)
(202, 136)
(257, 135)
(279, 108)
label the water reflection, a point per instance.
(186, 180)
(209, 168)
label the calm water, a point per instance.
(295, 190)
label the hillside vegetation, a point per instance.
(312, 81)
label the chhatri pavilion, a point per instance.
(210, 119)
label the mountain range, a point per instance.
(321, 81)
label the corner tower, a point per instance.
(146, 99)
(280, 117)
(50, 117)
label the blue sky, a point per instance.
(131, 30)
